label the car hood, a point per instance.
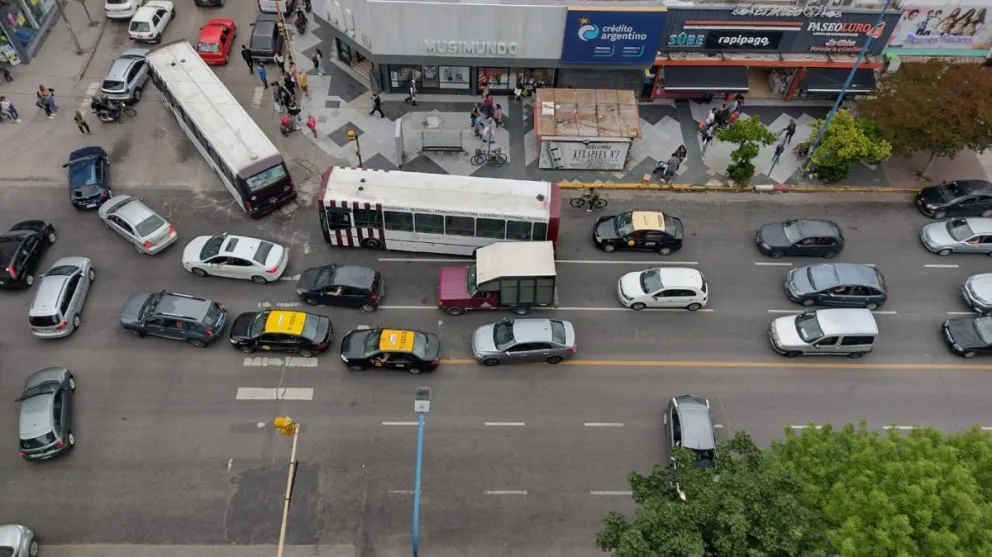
(980, 286)
(630, 283)
(798, 280)
(191, 253)
(10, 536)
(307, 278)
(353, 343)
(774, 235)
(433, 351)
(453, 283)
(132, 307)
(605, 228)
(932, 194)
(785, 329)
(964, 333)
(938, 235)
(482, 340)
(241, 326)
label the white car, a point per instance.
(666, 287)
(138, 224)
(121, 9)
(237, 257)
(148, 23)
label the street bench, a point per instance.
(441, 140)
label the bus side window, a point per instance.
(517, 230)
(490, 228)
(429, 224)
(367, 218)
(398, 221)
(540, 231)
(459, 226)
(338, 218)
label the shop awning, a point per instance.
(831, 80)
(726, 79)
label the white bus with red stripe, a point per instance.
(435, 213)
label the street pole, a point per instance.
(353, 136)
(93, 23)
(421, 405)
(287, 426)
(847, 83)
(72, 33)
(281, 18)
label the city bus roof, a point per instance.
(514, 259)
(438, 193)
(211, 106)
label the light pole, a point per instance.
(421, 405)
(281, 19)
(286, 426)
(875, 33)
(352, 136)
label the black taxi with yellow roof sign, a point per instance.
(403, 349)
(641, 230)
(297, 332)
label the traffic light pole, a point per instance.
(416, 487)
(281, 18)
(289, 490)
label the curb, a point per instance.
(764, 188)
(96, 43)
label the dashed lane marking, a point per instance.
(91, 92)
(962, 313)
(256, 98)
(263, 361)
(611, 493)
(282, 393)
(264, 305)
(506, 492)
(603, 424)
(402, 491)
(400, 423)
(941, 266)
(562, 261)
(805, 426)
(293, 278)
(770, 264)
(506, 424)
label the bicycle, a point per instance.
(580, 202)
(495, 157)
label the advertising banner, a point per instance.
(604, 36)
(947, 27)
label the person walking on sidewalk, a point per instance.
(284, 96)
(303, 82)
(8, 109)
(377, 105)
(708, 136)
(317, 60)
(84, 128)
(312, 124)
(277, 97)
(289, 83)
(6, 73)
(412, 99)
(294, 72)
(280, 61)
(790, 131)
(246, 54)
(498, 117)
(262, 74)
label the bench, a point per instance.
(441, 140)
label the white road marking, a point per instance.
(230, 463)
(293, 278)
(402, 491)
(717, 426)
(986, 428)
(262, 361)
(798, 311)
(91, 92)
(603, 424)
(941, 266)
(256, 98)
(507, 492)
(562, 261)
(282, 393)
(506, 424)
(900, 427)
(806, 426)
(400, 423)
(962, 313)
(260, 425)
(266, 305)
(770, 264)
(621, 493)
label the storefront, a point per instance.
(779, 51)
(23, 27)
(956, 31)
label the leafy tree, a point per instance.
(849, 140)
(744, 508)
(920, 493)
(749, 134)
(934, 107)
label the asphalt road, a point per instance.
(520, 460)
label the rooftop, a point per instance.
(586, 113)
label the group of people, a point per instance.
(720, 118)
(287, 89)
(668, 168)
(486, 117)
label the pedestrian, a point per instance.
(377, 105)
(499, 117)
(303, 81)
(84, 128)
(671, 168)
(42, 103)
(317, 59)
(488, 129)
(707, 138)
(790, 131)
(472, 116)
(6, 73)
(47, 95)
(280, 61)
(734, 116)
(412, 98)
(277, 97)
(517, 92)
(710, 118)
(681, 152)
(284, 96)
(289, 83)
(8, 109)
(480, 123)
(246, 54)
(312, 124)
(262, 74)
(293, 110)
(489, 105)
(294, 72)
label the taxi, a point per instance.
(406, 350)
(639, 230)
(296, 332)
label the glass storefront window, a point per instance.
(496, 79)
(16, 21)
(400, 77)
(454, 77)
(38, 9)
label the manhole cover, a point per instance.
(159, 133)
(434, 122)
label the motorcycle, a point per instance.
(301, 24)
(110, 111)
(287, 125)
(307, 5)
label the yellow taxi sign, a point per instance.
(393, 340)
(648, 220)
(286, 322)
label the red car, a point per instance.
(216, 39)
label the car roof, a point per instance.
(679, 277)
(49, 295)
(397, 340)
(980, 225)
(852, 273)
(846, 321)
(532, 330)
(648, 220)
(211, 31)
(145, 13)
(285, 322)
(697, 425)
(974, 186)
(817, 228)
(132, 210)
(355, 276)
(273, 18)
(185, 306)
(244, 248)
(118, 70)
(36, 415)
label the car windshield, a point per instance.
(950, 190)
(984, 327)
(212, 247)
(791, 230)
(503, 334)
(473, 286)
(262, 253)
(6, 551)
(310, 328)
(267, 178)
(210, 48)
(42, 389)
(113, 85)
(258, 324)
(808, 327)
(558, 331)
(822, 276)
(38, 443)
(61, 271)
(624, 224)
(148, 308)
(140, 26)
(44, 320)
(82, 173)
(149, 225)
(213, 315)
(324, 277)
(651, 281)
(704, 459)
(959, 229)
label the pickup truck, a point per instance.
(506, 275)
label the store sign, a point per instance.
(807, 12)
(471, 48)
(586, 155)
(946, 27)
(607, 37)
(728, 40)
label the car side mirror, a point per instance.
(251, 24)
(808, 312)
(65, 165)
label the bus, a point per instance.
(244, 158)
(435, 213)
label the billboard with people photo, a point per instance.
(951, 26)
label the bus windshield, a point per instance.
(267, 178)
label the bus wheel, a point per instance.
(371, 243)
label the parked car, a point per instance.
(216, 39)
(209, 3)
(121, 9)
(977, 292)
(143, 227)
(18, 541)
(663, 287)
(524, 340)
(126, 77)
(800, 237)
(173, 316)
(296, 332)
(58, 302)
(21, 249)
(965, 235)
(969, 336)
(89, 177)
(150, 21)
(837, 284)
(266, 40)
(238, 257)
(403, 349)
(45, 425)
(689, 425)
(639, 230)
(960, 198)
(269, 6)
(341, 285)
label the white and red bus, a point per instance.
(435, 213)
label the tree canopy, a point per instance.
(849, 140)
(749, 134)
(933, 107)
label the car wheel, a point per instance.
(793, 354)
(554, 360)
(368, 308)
(855, 355)
(29, 279)
(306, 353)
(72, 439)
(694, 307)
(638, 306)
(199, 272)
(33, 548)
(969, 354)
(52, 237)
(940, 214)
(258, 279)
(871, 306)
(247, 349)
(987, 213)
(414, 371)
(490, 362)
(776, 254)
(521, 310)
(665, 251)
(830, 255)
(944, 252)
(157, 39)
(137, 95)
(197, 342)
(371, 243)
(173, 15)
(809, 302)
(311, 301)
(91, 275)
(76, 321)
(609, 248)
(356, 367)
(72, 384)
(136, 333)
(455, 310)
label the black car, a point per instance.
(969, 336)
(174, 316)
(21, 249)
(689, 425)
(296, 332)
(639, 230)
(964, 198)
(341, 285)
(266, 40)
(800, 237)
(407, 350)
(89, 177)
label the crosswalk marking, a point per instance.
(91, 92)
(256, 99)
(263, 361)
(281, 393)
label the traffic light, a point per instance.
(285, 425)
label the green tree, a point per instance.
(920, 493)
(933, 107)
(744, 508)
(749, 134)
(849, 140)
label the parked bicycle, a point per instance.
(591, 199)
(495, 157)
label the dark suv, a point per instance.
(341, 285)
(21, 249)
(689, 425)
(175, 316)
(45, 428)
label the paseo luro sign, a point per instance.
(612, 37)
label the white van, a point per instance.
(269, 6)
(825, 332)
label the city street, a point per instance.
(175, 444)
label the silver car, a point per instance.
(127, 76)
(17, 541)
(58, 303)
(143, 227)
(977, 292)
(970, 234)
(45, 425)
(524, 340)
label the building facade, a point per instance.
(24, 24)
